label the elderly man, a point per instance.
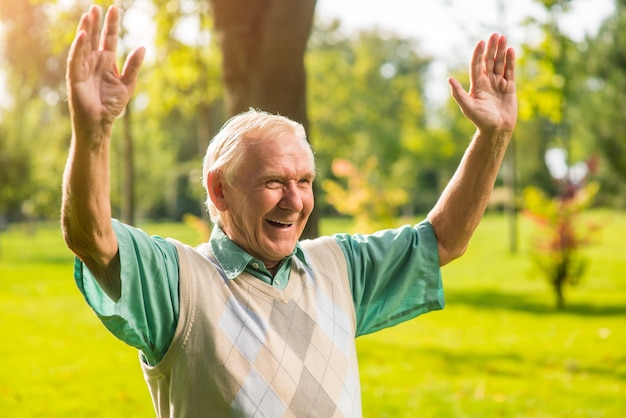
(255, 322)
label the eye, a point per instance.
(305, 182)
(273, 183)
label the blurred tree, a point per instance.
(263, 46)
(547, 89)
(366, 95)
(27, 28)
(14, 173)
(187, 77)
(606, 97)
(571, 96)
(127, 154)
(181, 95)
(32, 139)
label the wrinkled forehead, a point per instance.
(276, 141)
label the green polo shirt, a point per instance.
(396, 268)
(234, 260)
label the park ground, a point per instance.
(498, 349)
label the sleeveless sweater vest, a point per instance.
(247, 349)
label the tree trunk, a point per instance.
(560, 297)
(559, 282)
(263, 44)
(127, 179)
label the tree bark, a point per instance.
(263, 44)
(127, 179)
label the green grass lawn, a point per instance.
(498, 349)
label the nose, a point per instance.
(291, 198)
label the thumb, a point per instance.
(130, 72)
(459, 94)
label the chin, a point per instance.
(283, 251)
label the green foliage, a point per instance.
(363, 195)
(570, 95)
(562, 235)
(498, 349)
(606, 84)
(547, 85)
(32, 140)
(14, 160)
(366, 98)
(541, 94)
(27, 29)
(34, 145)
(180, 108)
(186, 75)
(155, 176)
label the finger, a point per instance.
(83, 23)
(490, 53)
(93, 26)
(108, 40)
(510, 65)
(85, 40)
(76, 54)
(132, 66)
(498, 67)
(460, 96)
(476, 64)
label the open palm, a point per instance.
(491, 103)
(97, 92)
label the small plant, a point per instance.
(562, 235)
(361, 194)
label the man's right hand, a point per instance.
(97, 92)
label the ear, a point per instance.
(215, 187)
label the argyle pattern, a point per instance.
(297, 352)
(244, 348)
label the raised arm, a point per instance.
(491, 105)
(97, 95)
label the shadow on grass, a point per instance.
(502, 364)
(489, 299)
(511, 364)
(34, 260)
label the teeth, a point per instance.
(279, 222)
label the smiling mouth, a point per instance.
(279, 224)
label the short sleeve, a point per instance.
(145, 316)
(394, 275)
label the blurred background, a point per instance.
(368, 80)
(374, 85)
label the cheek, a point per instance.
(259, 203)
(308, 202)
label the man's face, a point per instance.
(270, 199)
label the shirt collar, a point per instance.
(233, 259)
